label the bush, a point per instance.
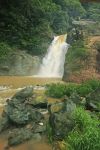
(59, 90)
(86, 134)
(56, 90)
(70, 88)
(94, 83)
(84, 90)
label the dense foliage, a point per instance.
(86, 134)
(31, 24)
(59, 90)
(77, 57)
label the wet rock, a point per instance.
(75, 98)
(4, 123)
(18, 136)
(19, 111)
(22, 114)
(23, 64)
(40, 128)
(39, 102)
(23, 94)
(25, 120)
(69, 106)
(62, 123)
(57, 107)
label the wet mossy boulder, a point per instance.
(17, 136)
(19, 110)
(61, 123)
(22, 114)
(56, 107)
(21, 135)
(23, 94)
(69, 106)
(39, 101)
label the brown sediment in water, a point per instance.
(20, 81)
(29, 145)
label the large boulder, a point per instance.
(61, 124)
(19, 111)
(22, 114)
(23, 94)
(69, 106)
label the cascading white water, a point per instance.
(53, 62)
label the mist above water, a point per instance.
(53, 62)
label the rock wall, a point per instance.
(90, 69)
(20, 63)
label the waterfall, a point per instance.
(53, 62)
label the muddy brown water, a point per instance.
(18, 82)
(15, 82)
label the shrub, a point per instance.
(56, 90)
(70, 88)
(83, 89)
(59, 90)
(94, 83)
(86, 134)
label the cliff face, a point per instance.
(89, 68)
(19, 63)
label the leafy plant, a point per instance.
(84, 90)
(56, 90)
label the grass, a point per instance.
(86, 134)
(59, 90)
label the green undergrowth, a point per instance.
(77, 57)
(86, 133)
(59, 90)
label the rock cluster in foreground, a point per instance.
(23, 116)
